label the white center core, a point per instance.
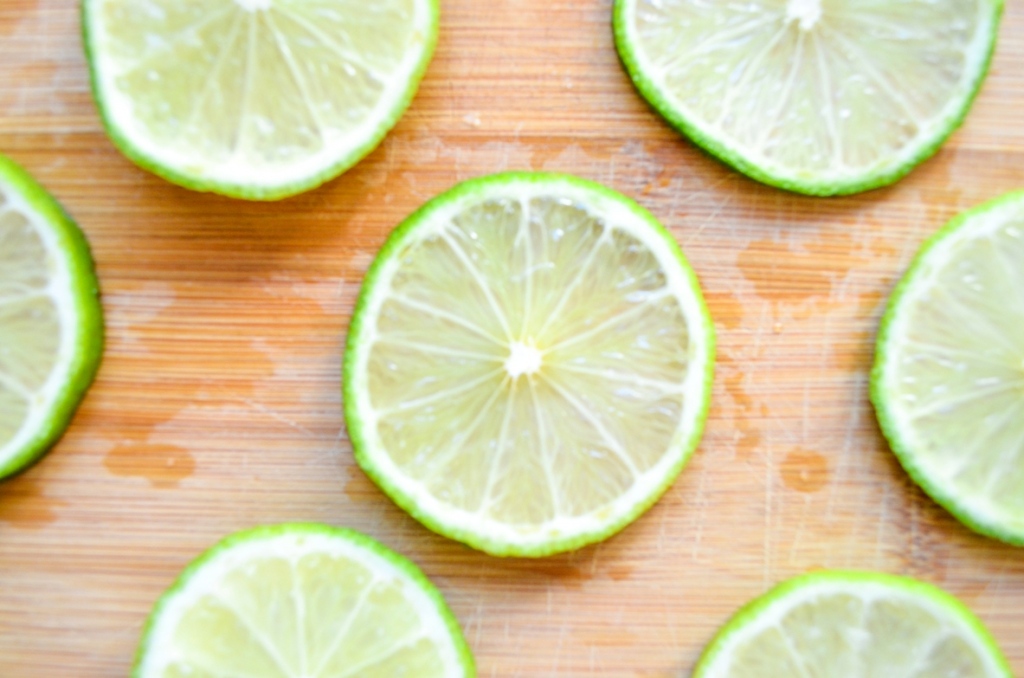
(255, 5)
(523, 359)
(807, 12)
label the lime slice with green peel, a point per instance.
(51, 322)
(529, 364)
(841, 624)
(302, 601)
(257, 99)
(948, 381)
(823, 97)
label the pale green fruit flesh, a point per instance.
(30, 321)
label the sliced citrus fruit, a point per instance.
(841, 624)
(302, 600)
(51, 322)
(257, 99)
(529, 364)
(822, 97)
(948, 381)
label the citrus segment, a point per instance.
(302, 600)
(256, 99)
(948, 382)
(529, 363)
(838, 624)
(51, 327)
(817, 96)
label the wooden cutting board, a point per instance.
(218, 408)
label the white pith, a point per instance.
(523, 359)
(255, 5)
(806, 12)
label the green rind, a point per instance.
(89, 333)
(882, 402)
(245, 191)
(805, 185)
(749, 613)
(474, 188)
(406, 566)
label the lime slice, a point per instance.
(257, 99)
(822, 97)
(844, 624)
(51, 322)
(948, 381)
(302, 600)
(529, 364)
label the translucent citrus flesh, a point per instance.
(955, 363)
(817, 88)
(33, 343)
(836, 631)
(234, 88)
(528, 363)
(307, 614)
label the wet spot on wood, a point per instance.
(361, 489)
(663, 180)
(855, 353)
(164, 466)
(726, 308)
(734, 386)
(779, 273)
(560, 570)
(23, 504)
(10, 26)
(869, 302)
(883, 248)
(807, 277)
(748, 439)
(620, 572)
(805, 471)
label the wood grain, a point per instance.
(218, 406)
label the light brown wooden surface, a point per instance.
(218, 406)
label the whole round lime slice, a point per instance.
(302, 600)
(257, 99)
(842, 624)
(529, 364)
(51, 322)
(948, 381)
(822, 97)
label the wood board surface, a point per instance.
(218, 406)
